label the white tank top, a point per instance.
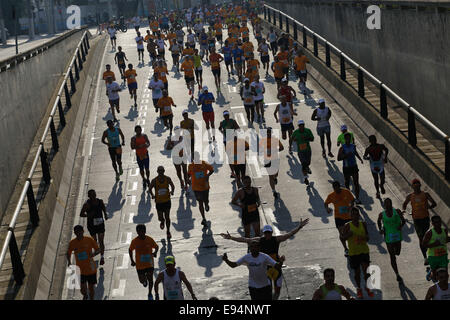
(322, 116)
(442, 294)
(172, 286)
(248, 96)
(284, 113)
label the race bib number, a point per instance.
(167, 109)
(272, 273)
(82, 256)
(393, 237)
(172, 295)
(98, 221)
(258, 91)
(146, 258)
(252, 207)
(302, 146)
(286, 120)
(157, 91)
(438, 252)
(343, 210)
(163, 74)
(215, 64)
(162, 192)
(143, 156)
(248, 100)
(199, 175)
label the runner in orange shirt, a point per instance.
(144, 263)
(218, 29)
(278, 70)
(140, 143)
(215, 59)
(188, 67)
(165, 105)
(248, 49)
(108, 73)
(84, 249)
(300, 62)
(199, 172)
(162, 72)
(131, 75)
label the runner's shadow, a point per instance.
(144, 207)
(405, 292)
(132, 114)
(166, 250)
(108, 115)
(366, 200)
(221, 100)
(316, 201)
(185, 222)
(115, 201)
(333, 170)
(283, 216)
(206, 254)
(408, 229)
(295, 166)
(158, 128)
(192, 107)
(311, 103)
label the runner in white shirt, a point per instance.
(263, 50)
(112, 36)
(140, 46)
(161, 44)
(259, 98)
(112, 92)
(157, 86)
(257, 262)
(137, 23)
(191, 39)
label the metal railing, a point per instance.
(388, 99)
(67, 89)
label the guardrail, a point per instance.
(21, 57)
(275, 17)
(67, 89)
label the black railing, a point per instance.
(364, 79)
(42, 156)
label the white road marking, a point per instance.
(144, 101)
(131, 217)
(135, 173)
(143, 107)
(146, 95)
(255, 163)
(128, 240)
(240, 116)
(143, 114)
(125, 262)
(141, 122)
(90, 147)
(147, 90)
(269, 214)
(132, 200)
(133, 186)
(120, 292)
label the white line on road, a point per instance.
(132, 200)
(147, 90)
(144, 101)
(135, 173)
(120, 292)
(133, 186)
(143, 114)
(141, 122)
(143, 107)
(146, 95)
(241, 118)
(131, 217)
(269, 214)
(125, 262)
(129, 235)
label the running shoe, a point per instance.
(206, 207)
(117, 177)
(102, 261)
(346, 253)
(169, 236)
(382, 189)
(425, 262)
(204, 222)
(369, 293)
(330, 154)
(428, 276)
(145, 283)
(161, 225)
(399, 279)
(324, 154)
(150, 296)
(309, 171)
(120, 171)
(275, 194)
(378, 195)
(307, 181)
(359, 293)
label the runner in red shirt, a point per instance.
(287, 91)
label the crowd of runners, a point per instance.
(220, 35)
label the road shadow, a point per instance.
(100, 288)
(166, 250)
(206, 254)
(295, 168)
(115, 201)
(283, 216)
(316, 204)
(375, 238)
(158, 128)
(185, 222)
(405, 292)
(333, 171)
(221, 100)
(144, 207)
(133, 113)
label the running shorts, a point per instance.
(202, 195)
(356, 260)
(93, 230)
(349, 171)
(323, 130)
(144, 163)
(305, 157)
(340, 222)
(216, 72)
(189, 79)
(132, 86)
(248, 218)
(114, 155)
(239, 169)
(286, 127)
(265, 59)
(91, 278)
(208, 116)
(163, 206)
(264, 293)
(143, 272)
(421, 226)
(438, 262)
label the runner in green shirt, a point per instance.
(341, 139)
(391, 228)
(303, 136)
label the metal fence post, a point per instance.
(268, 15)
(77, 72)
(360, 83)
(87, 42)
(80, 62)
(67, 95)
(55, 143)
(62, 117)
(412, 138)
(343, 75)
(287, 25)
(83, 53)
(45, 166)
(327, 55)
(305, 40)
(447, 159)
(17, 265)
(265, 13)
(383, 102)
(295, 31)
(72, 82)
(316, 50)
(281, 20)
(32, 207)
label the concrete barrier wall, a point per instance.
(26, 91)
(410, 53)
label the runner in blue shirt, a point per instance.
(205, 100)
(227, 54)
(238, 57)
